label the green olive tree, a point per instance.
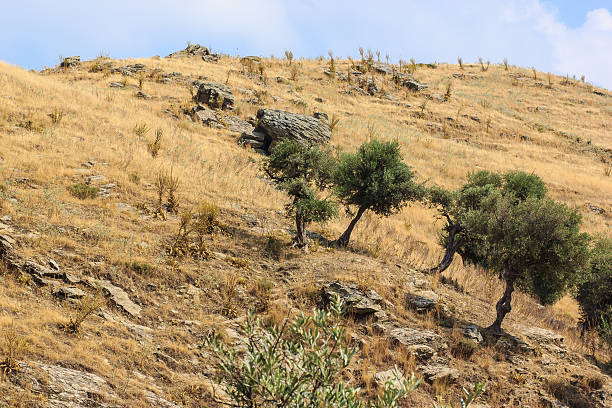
(374, 178)
(304, 172)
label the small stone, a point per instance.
(116, 85)
(143, 95)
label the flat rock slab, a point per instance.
(210, 118)
(422, 300)
(440, 373)
(415, 337)
(117, 296)
(69, 293)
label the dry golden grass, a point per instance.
(558, 133)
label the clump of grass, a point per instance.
(141, 129)
(229, 292)
(332, 64)
(155, 146)
(607, 169)
(83, 191)
(294, 72)
(449, 91)
(422, 106)
(460, 61)
(13, 349)
(464, 348)
(134, 178)
(86, 306)
(262, 290)
(161, 185)
(549, 77)
(56, 116)
(141, 268)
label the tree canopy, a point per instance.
(374, 178)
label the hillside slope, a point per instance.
(86, 126)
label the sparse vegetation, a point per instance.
(460, 62)
(155, 146)
(14, 347)
(84, 191)
(86, 306)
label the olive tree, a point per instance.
(595, 294)
(456, 206)
(374, 178)
(506, 224)
(533, 245)
(304, 172)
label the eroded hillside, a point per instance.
(80, 222)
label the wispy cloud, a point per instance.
(527, 32)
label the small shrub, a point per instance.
(460, 61)
(294, 72)
(86, 306)
(449, 91)
(298, 364)
(56, 116)
(608, 169)
(289, 56)
(464, 348)
(155, 146)
(262, 291)
(83, 191)
(141, 129)
(141, 268)
(505, 64)
(333, 123)
(535, 73)
(13, 350)
(484, 67)
(161, 185)
(134, 178)
(229, 293)
(172, 184)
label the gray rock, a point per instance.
(128, 70)
(117, 296)
(472, 332)
(71, 62)
(382, 68)
(210, 58)
(124, 207)
(192, 50)
(422, 301)
(440, 373)
(69, 293)
(97, 179)
(415, 85)
(68, 388)
(390, 376)
(357, 302)
(215, 95)
(155, 401)
(40, 274)
(116, 85)
(277, 125)
(415, 337)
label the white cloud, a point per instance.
(527, 32)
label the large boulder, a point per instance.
(215, 95)
(276, 125)
(210, 118)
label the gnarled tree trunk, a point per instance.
(452, 245)
(300, 227)
(344, 239)
(504, 306)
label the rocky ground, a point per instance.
(97, 311)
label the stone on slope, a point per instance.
(117, 296)
(422, 301)
(415, 337)
(192, 50)
(210, 118)
(277, 125)
(357, 302)
(444, 373)
(71, 62)
(215, 95)
(69, 292)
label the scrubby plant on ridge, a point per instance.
(374, 178)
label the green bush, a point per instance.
(595, 294)
(297, 365)
(83, 191)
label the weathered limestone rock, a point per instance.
(357, 302)
(215, 95)
(415, 337)
(277, 125)
(117, 296)
(422, 301)
(211, 118)
(382, 68)
(71, 62)
(192, 50)
(440, 373)
(69, 292)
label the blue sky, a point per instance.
(561, 36)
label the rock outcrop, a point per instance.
(192, 50)
(214, 95)
(358, 303)
(71, 62)
(274, 125)
(211, 118)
